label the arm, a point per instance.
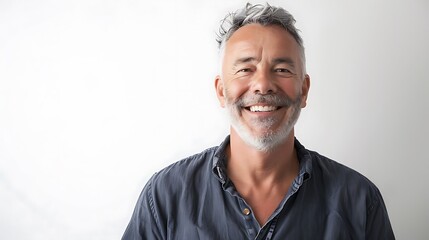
(144, 223)
(378, 223)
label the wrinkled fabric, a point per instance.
(194, 199)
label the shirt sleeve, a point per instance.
(378, 224)
(144, 223)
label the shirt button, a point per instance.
(246, 211)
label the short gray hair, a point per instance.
(261, 14)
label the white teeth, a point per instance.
(262, 108)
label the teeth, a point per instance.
(262, 108)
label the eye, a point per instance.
(244, 70)
(282, 70)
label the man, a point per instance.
(260, 183)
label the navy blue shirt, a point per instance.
(194, 199)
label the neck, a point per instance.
(258, 168)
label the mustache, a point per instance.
(274, 99)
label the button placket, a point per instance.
(249, 220)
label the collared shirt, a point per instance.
(194, 199)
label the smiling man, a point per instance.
(260, 183)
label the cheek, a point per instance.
(292, 88)
(235, 89)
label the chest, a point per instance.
(296, 220)
(264, 205)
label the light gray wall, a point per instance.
(95, 96)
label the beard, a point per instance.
(269, 138)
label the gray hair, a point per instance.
(261, 14)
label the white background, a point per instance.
(95, 96)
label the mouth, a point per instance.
(258, 108)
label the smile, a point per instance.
(262, 108)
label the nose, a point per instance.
(263, 83)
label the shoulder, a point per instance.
(167, 189)
(343, 183)
(331, 170)
(348, 197)
(326, 170)
(184, 172)
(331, 178)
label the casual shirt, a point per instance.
(195, 199)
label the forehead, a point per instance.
(258, 40)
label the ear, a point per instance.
(220, 91)
(304, 90)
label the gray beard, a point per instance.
(270, 139)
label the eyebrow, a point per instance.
(284, 60)
(244, 60)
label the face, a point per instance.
(262, 84)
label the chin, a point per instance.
(264, 142)
(272, 132)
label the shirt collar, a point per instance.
(305, 161)
(304, 158)
(219, 160)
